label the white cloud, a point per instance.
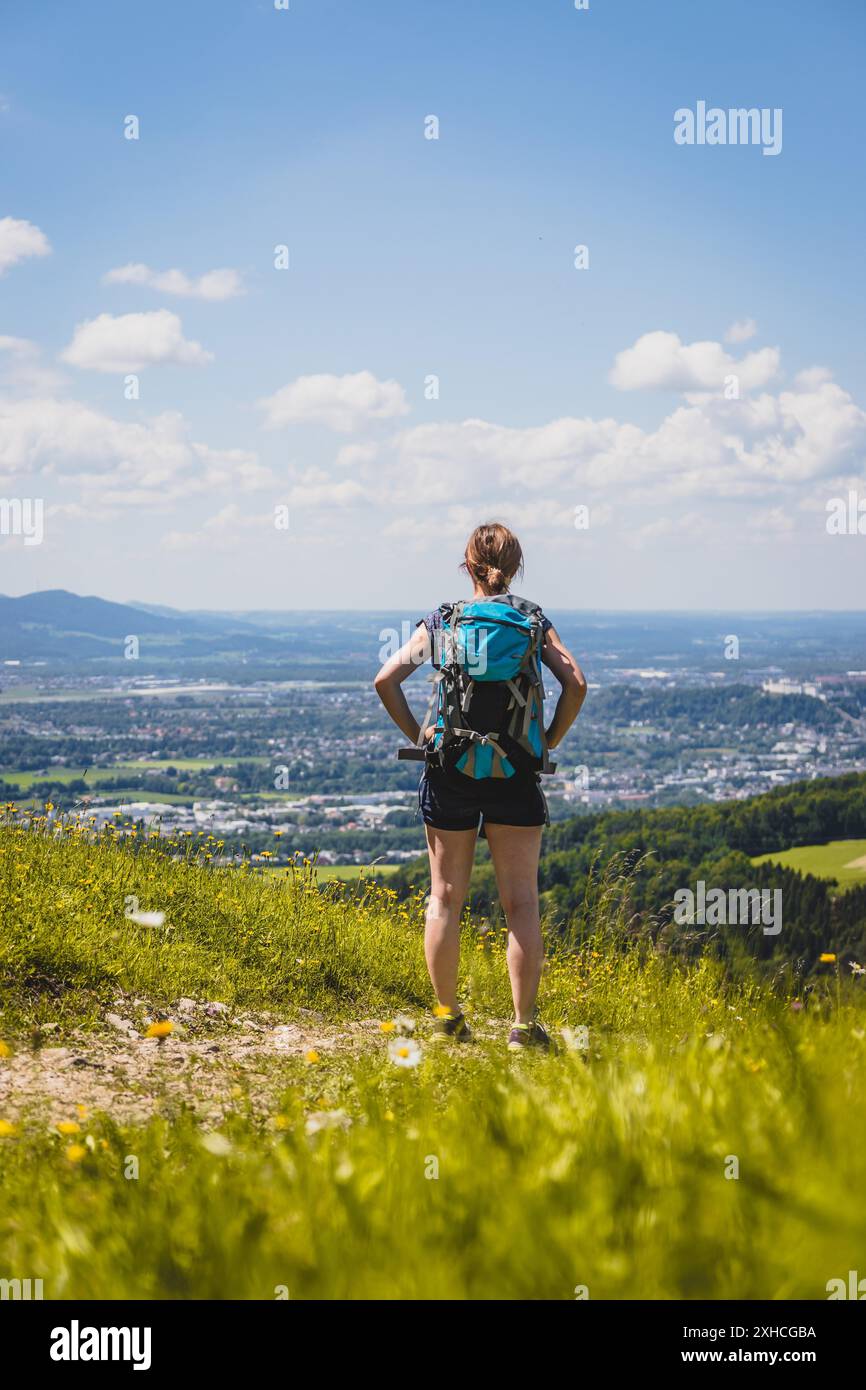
(18, 347)
(342, 403)
(315, 488)
(356, 455)
(20, 240)
(686, 526)
(437, 461)
(213, 285)
(23, 368)
(224, 531)
(660, 361)
(709, 447)
(130, 342)
(774, 520)
(230, 529)
(453, 522)
(123, 462)
(741, 331)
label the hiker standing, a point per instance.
(484, 753)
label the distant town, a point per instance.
(279, 769)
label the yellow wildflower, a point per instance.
(161, 1029)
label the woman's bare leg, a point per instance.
(451, 854)
(514, 850)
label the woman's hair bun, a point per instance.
(493, 556)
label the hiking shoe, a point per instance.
(524, 1035)
(451, 1028)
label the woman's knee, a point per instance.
(444, 901)
(519, 903)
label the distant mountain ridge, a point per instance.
(67, 612)
(56, 626)
(54, 623)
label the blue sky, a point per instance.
(411, 257)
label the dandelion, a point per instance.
(281, 1122)
(5, 1049)
(311, 1057)
(161, 1029)
(7, 1129)
(827, 957)
(75, 1152)
(442, 1011)
(216, 1144)
(576, 1039)
(327, 1119)
(146, 919)
(388, 1027)
(404, 1052)
(68, 1127)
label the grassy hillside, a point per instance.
(437, 1173)
(843, 861)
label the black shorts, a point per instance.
(451, 801)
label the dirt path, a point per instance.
(130, 1076)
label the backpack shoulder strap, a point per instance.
(525, 606)
(451, 613)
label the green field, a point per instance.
(348, 873)
(343, 873)
(25, 779)
(824, 861)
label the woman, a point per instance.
(509, 811)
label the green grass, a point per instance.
(474, 1175)
(824, 861)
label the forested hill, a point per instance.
(804, 813)
(731, 706)
(664, 851)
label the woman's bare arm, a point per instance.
(558, 659)
(389, 682)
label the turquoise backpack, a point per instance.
(488, 692)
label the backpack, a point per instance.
(488, 692)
